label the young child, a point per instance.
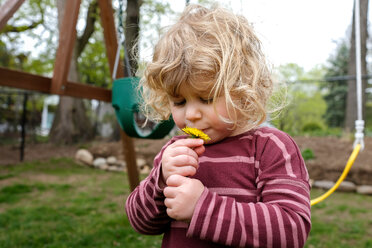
(246, 187)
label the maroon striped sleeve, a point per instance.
(145, 205)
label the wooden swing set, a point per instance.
(58, 83)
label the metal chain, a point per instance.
(121, 39)
(120, 18)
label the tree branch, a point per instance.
(19, 29)
(89, 28)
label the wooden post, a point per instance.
(67, 37)
(8, 9)
(109, 32)
(23, 125)
(107, 17)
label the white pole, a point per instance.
(359, 123)
(44, 119)
(358, 59)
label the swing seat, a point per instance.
(125, 100)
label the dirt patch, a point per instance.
(10, 154)
(330, 153)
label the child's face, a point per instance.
(194, 109)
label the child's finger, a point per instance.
(184, 160)
(187, 171)
(183, 150)
(176, 180)
(169, 192)
(199, 150)
(168, 202)
(191, 143)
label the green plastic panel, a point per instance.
(125, 100)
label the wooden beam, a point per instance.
(7, 10)
(67, 37)
(109, 30)
(23, 80)
(27, 81)
(87, 91)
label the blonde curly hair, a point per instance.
(217, 48)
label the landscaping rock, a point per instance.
(141, 162)
(104, 167)
(364, 189)
(99, 162)
(145, 169)
(112, 160)
(84, 156)
(311, 182)
(121, 163)
(323, 184)
(347, 186)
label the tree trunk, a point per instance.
(132, 31)
(351, 101)
(71, 123)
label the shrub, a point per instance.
(307, 154)
(311, 127)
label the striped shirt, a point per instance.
(256, 195)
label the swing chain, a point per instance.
(121, 42)
(120, 19)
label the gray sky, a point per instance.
(299, 31)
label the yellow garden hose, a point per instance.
(350, 163)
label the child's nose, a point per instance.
(193, 113)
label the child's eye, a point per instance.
(206, 101)
(179, 102)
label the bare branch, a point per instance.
(89, 28)
(19, 29)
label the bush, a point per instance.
(307, 154)
(311, 127)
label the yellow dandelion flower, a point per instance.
(195, 133)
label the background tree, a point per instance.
(71, 123)
(21, 28)
(305, 107)
(336, 90)
(131, 31)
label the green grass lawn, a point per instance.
(61, 204)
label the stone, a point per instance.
(323, 184)
(84, 156)
(141, 162)
(145, 170)
(121, 163)
(112, 160)
(104, 167)
(347, 186)
(98, 162)
(364, 189)
(311, 182)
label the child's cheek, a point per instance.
(177, 118)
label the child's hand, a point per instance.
(182, 194)
(181, 158)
